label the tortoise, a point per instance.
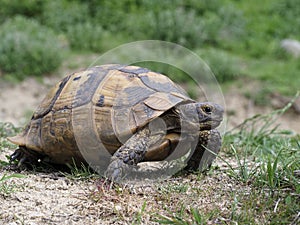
(135, 115)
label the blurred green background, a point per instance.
(240, 40)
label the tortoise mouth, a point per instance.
(206, 124)
(209, 123)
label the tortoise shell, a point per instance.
(118, 100)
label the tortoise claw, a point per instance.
(24, 156)
(118, 171)
(17, 155)
(115, 170)
(17, 159)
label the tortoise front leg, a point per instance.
(125, 159)
(206, 150)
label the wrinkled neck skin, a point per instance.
(188, 118)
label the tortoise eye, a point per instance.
(207, 109)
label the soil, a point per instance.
(52, 198)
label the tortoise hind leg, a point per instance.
(206, 151)
(24, 156)
(125, 159)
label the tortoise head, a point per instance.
(201, 115)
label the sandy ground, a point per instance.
(54, 199)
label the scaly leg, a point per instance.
(206, 151)
(125, 159)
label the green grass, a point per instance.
(272, 74)
(79, 172)
(6, 188)
(274, 151)
(6, 130)
(237, 38)
(275, 74)
(185, 216)
(267, 159)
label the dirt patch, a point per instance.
(54, 199)
(240, 108)
(19, 101)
